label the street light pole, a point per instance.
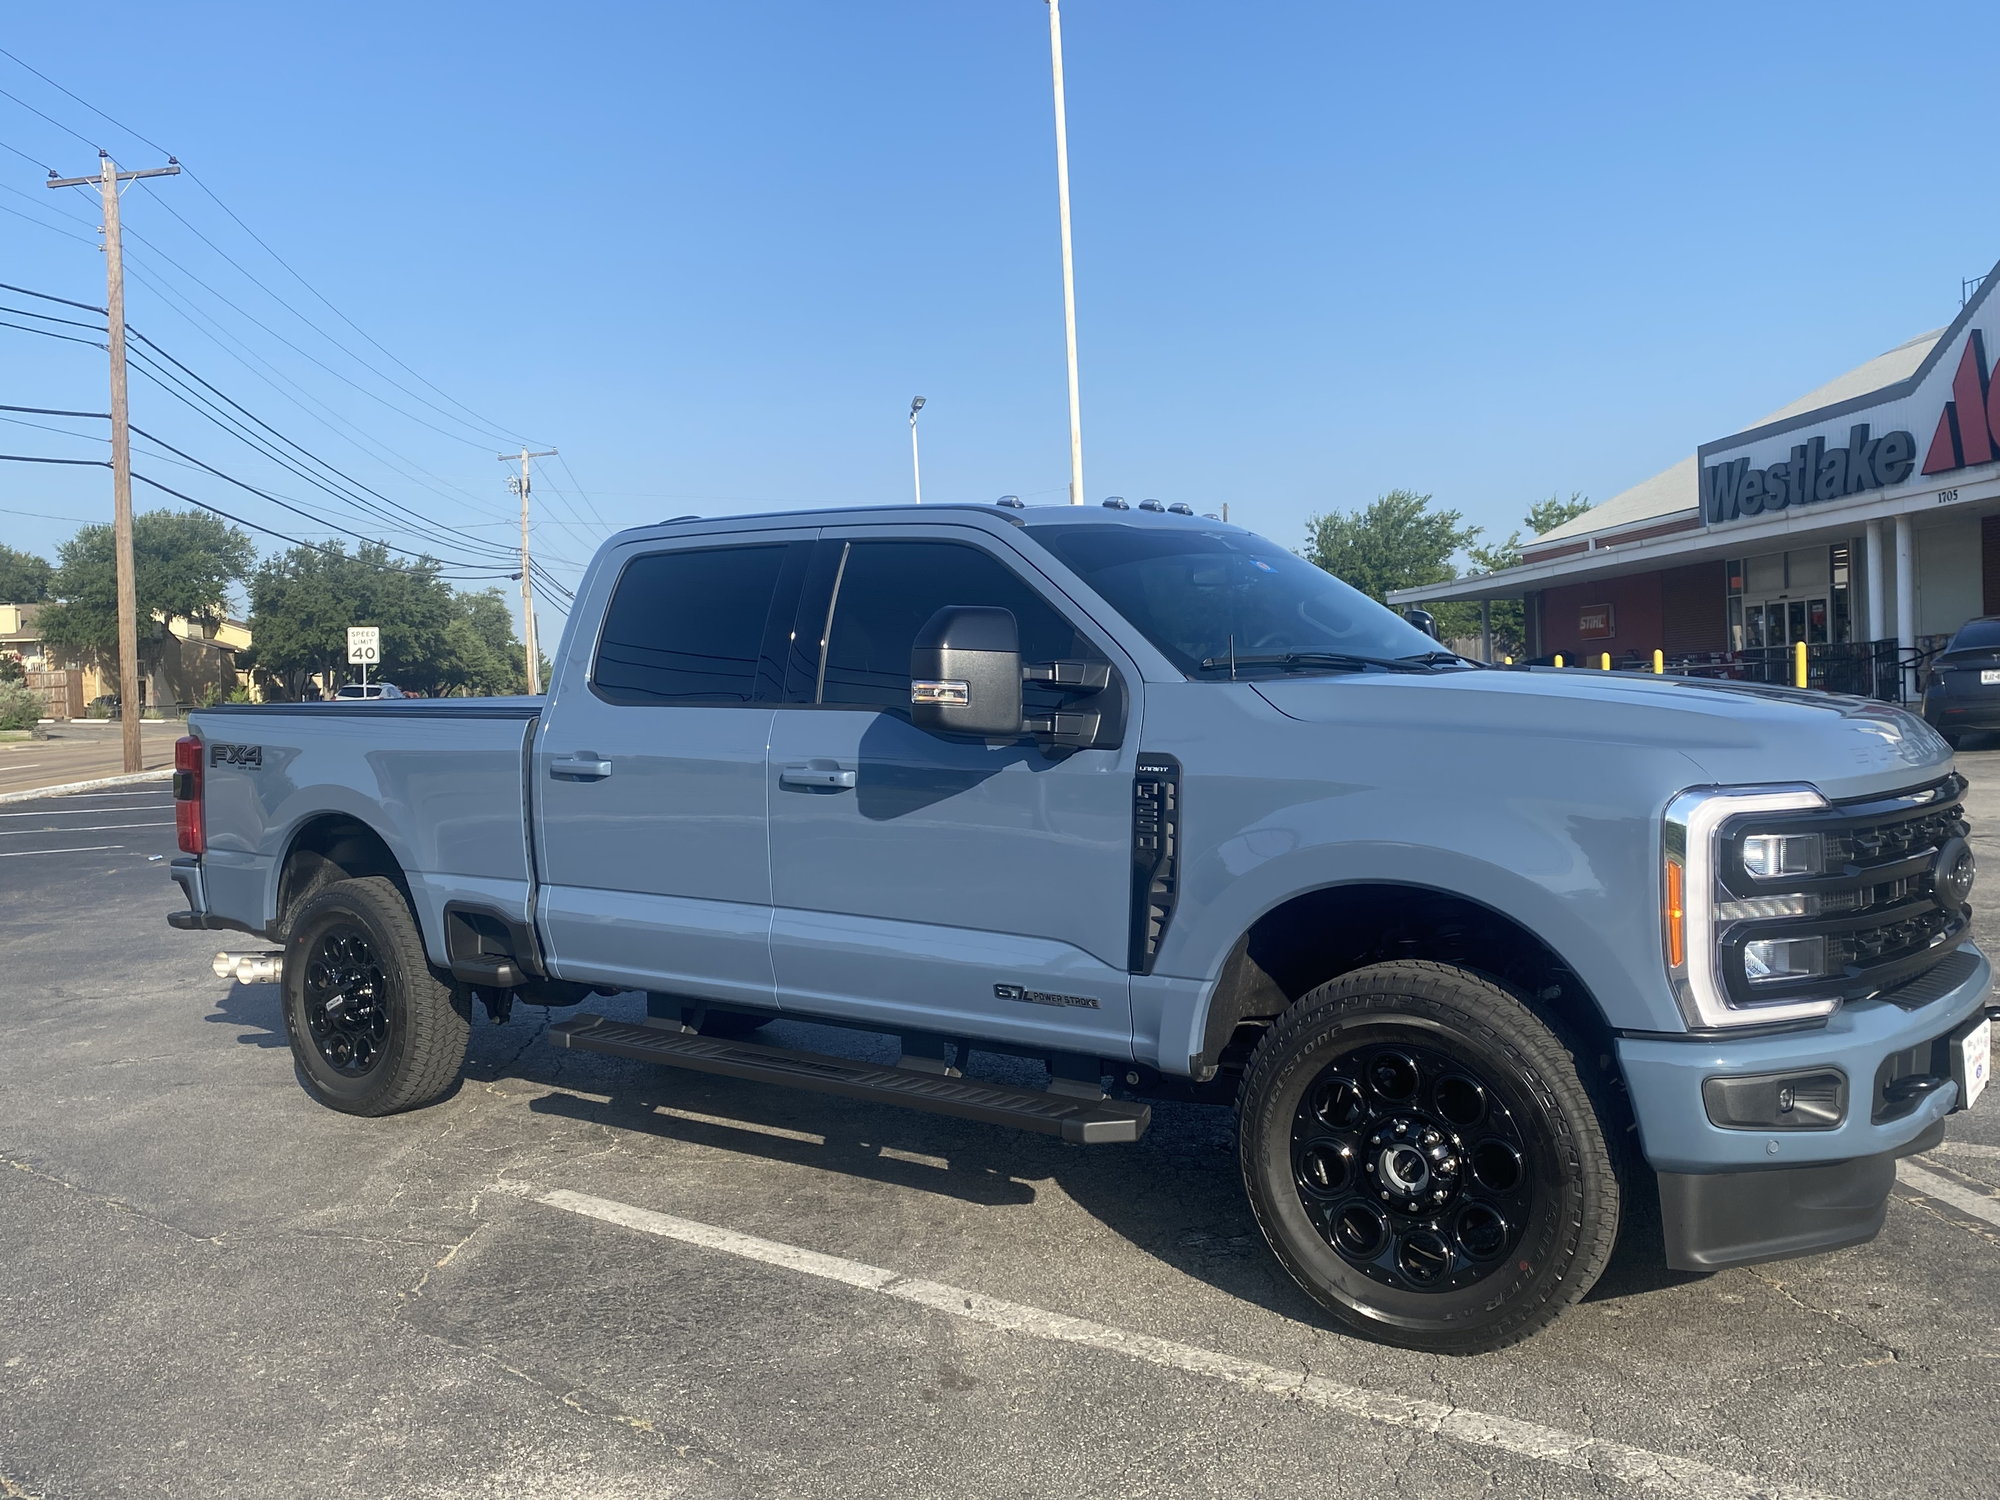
(916, 469)
(1068, 261)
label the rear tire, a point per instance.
(1425, 1159)
(373, 1029)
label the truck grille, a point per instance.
(1876, 901)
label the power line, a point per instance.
(432, 529)
(33, 161)
(83, 101)
(50, 118)
(306, 401)
(41, 224)
(305, 354)
(491, 432)
(50, 297)
(50, 333)
(216, 198)
(166, 380)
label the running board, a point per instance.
(1086, 1121)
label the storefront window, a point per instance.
(1753, 627)
(1734, 571)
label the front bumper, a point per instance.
(1714, 1220)
(1733, 1196)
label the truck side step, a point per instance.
(1088, 1121)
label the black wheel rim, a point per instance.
(346, 1000)
(1412, 1167)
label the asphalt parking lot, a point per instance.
(583, 1277)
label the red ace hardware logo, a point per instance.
(1968, 432)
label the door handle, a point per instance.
(579, 768)
(818, 775)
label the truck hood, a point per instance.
(1735, 733)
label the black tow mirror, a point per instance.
(1424, 620)
(965, 673)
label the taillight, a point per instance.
(188, 821)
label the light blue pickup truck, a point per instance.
(1489, 961)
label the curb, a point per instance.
(163, 774)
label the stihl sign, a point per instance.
(1968, 430)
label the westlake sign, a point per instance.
(1812, 475)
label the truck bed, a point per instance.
(442, 781)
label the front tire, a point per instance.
(373, 1030)
(1425, 1160)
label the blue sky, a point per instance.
(711, 251)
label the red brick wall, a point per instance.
(1635, 617)
(1693, 608)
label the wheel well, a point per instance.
(1320, 935)
(325, 849)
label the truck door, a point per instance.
(922, 883)
(649, 772)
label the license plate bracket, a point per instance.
(1972, 1060)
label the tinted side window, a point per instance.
(887, 590)
(687, 627)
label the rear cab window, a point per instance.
(693, 626)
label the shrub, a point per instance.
(20, 706)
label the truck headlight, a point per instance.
(1697, 908)
(1772, 960)
(1770, 855)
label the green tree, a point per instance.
(24, 577)
(1398, 542)
(1509, 630)
(434, 639)
(486, 657)
(183, 562)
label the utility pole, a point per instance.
(916, 469)
(1068, 263)
(107, 180)
(521, 486)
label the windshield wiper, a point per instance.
(1445, 659)
(1322, 659)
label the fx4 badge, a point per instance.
(250, 757)
(1042, 997)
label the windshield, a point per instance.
(1205, 596)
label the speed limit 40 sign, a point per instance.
(364, 645)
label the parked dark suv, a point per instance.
(1962, 688)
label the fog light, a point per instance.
(1777, 1101)
(1769, 960)
(1769, 855)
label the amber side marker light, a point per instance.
(1676, 914)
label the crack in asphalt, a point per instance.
(1836, 1317)
(106, 1200)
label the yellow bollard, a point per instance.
(1659, 663)
(1559, 660)
(1799, 659)
(1604, 661)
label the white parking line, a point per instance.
(28, 833)
(1640, 1467)
(1964, 1148)
(87, 813)
(86, 849)
(1979, 1205)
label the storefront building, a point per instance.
(1863, 520)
